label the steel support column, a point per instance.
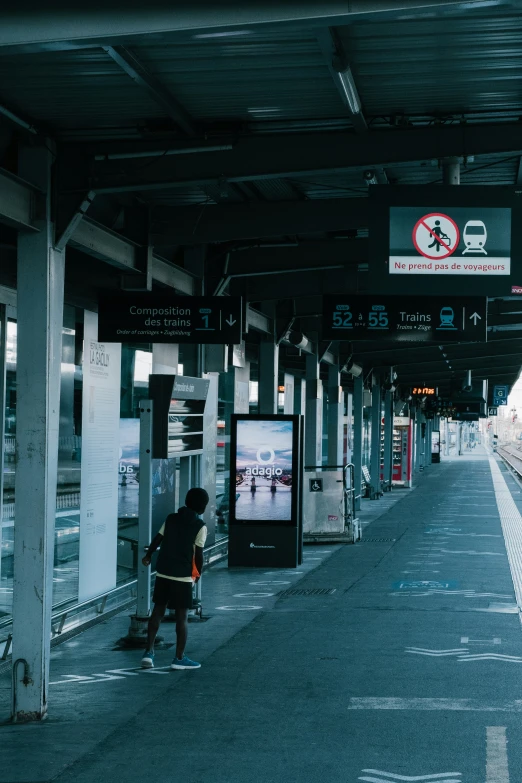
(388, 438)
(268, 376)
(289, 393)
(451, 171)
(40, 314)
(335, 417)
(314, 413)
(375, 452)
(3, 343)
(358, 389)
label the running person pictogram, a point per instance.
(436, 236)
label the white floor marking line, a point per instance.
(423, 705)
(386, 777)
(490, 657)
(511, 522)
(434, 653)
(467, 640)
(497, 770)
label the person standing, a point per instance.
(182, 538)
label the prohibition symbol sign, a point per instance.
(436, 236)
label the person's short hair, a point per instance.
(197, 499)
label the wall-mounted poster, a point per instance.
(128, 468)
(264, 464)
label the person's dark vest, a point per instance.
(175, 555)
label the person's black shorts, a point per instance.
(175, 595)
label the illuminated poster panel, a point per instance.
(264, 470)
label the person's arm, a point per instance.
(154, 544)
(198, 560)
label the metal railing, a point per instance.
(68, 616)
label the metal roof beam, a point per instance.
(19, 202)
(296, 259)
(108, 20)
(102, 243)
(132, 66)
(223, 223)
(307, 283)
(291, 155)
(258, 321)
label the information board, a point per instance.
(500, 395)
(165, 318)
(458, 240)
(405, 319)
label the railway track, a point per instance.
(512, 455)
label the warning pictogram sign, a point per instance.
(436, 236)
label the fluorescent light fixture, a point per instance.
(267, 110)
(226, 34)
(350, 90)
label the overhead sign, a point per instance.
(164, 318)
(465, 240)
(472, 241)
(500, 395)
(405, 318)
(423, 391)
(492, 411)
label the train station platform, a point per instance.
(396, 659)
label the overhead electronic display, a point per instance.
(445, 239)
(405, 319)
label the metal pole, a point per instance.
(314, 413)
(358, 390)
(388, 438)
(3, 346)
(375, 452)
(145, 508)
(335, 417)
(451, 171)
(40, 279)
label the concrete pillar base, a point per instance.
(137, 633)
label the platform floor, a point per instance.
(410, 670)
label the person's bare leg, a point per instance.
(155, 619)
(181, 632)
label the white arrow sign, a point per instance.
(230, 321)
(474, 318)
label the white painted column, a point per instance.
(3, 341)
(375, 453)
(268, 377)
(335, 417)
(289, 394)
(358, 391)
(40, 314)
(388, 437)
(314, 413)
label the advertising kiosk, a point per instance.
(265, 526)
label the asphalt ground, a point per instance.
(409, 669)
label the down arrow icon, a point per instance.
(230, 321)
(475, 317)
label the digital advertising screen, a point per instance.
(437, 240)
(264, 469)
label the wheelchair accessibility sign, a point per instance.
(316, 485)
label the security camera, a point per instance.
(352, 369)
(369, 177)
